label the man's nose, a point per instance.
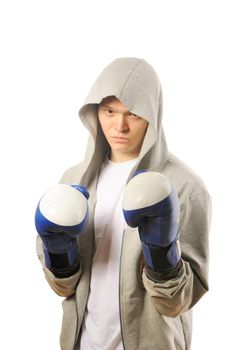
(121, 123)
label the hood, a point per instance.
(136, 84)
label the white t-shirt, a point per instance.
(101, 326)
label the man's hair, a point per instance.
(107, 99)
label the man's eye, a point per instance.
(133, 115)
(109, 111)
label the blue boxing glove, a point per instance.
(61, 216)
(151, 204)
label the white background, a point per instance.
(51, 53)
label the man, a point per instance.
(133, 274)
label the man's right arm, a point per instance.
(60, 218)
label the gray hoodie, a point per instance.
(153, 315)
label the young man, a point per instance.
(132, 275)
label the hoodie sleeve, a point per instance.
(176, 296)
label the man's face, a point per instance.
(123, 130)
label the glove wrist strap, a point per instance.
(63, 264)
(162, 259)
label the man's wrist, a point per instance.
(163, 275)
(67, 271)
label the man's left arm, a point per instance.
(174, 241)
(177, 295)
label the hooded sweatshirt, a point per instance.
(153, 315)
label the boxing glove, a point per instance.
(151, 204)
(61, 216)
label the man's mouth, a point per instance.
(119, 138)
